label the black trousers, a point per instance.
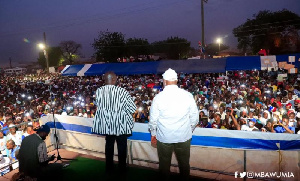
(122, 152)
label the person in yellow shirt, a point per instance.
(274, 88)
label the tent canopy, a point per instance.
(72, 70)
(193, 66)
(155, 67)
(219, 65)
(243, 63)
(123, 68)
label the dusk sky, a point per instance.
(22, 22)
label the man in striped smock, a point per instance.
(114, 119)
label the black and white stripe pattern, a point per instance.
(114, 111)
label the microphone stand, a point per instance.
(55, 135)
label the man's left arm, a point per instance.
(131, 107)
(42, 154)
(193, 114)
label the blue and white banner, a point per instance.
(208, 137)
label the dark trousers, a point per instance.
(182, 153)
(53, 171)
(122, 151)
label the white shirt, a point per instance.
(247, 128)
(2, 143)
(64, 113)
(223, 115)
(17, 138)
(173, 115)
(204, 110)
(263, 121)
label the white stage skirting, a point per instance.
(215, 154)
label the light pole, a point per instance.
(202, 21)
(43, 47)
(219, 41)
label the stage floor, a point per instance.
(86, 167)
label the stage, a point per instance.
(86, 167)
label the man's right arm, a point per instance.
(154, 114)
(194, 114)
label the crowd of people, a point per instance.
(238, 100)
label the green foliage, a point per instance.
(70, 50)
(54, 56)
(137, 46)
(213, 48)
(274, 31)
(193, 52)
(61, 61)
(174, 47)
(109, 46)
(112, 45)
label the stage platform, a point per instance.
(86, 167)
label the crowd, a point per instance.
(239, 100)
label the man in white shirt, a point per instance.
(173, 117)
(2, 142)
(250, 126)
(14, 135)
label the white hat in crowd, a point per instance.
(298, 115)
(11, 126)
(170, 75)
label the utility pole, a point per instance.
(202, 20)
(10, 66)
(46, 53)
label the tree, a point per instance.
(137, 46)
(213, 48)
(70, 50)
(109, 46)
(193, 52)
(274, 31)
(54, 57)
(173, 47)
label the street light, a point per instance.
(43, 47)
(219, 41)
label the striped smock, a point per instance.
(114, 111)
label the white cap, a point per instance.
(298, 115)
(170, 75)
(11, 125)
